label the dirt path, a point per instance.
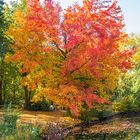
(42, 118)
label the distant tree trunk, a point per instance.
(1, 80)
(1, 92)
(4, 84)
(14, 94)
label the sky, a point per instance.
(130, 9)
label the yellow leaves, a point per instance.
(33, 80)
(45, 93)
(19, 17)
(7, 58)
(134, 41)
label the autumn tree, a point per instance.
(73, 56)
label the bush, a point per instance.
(40, 106)
(89, 115)
(126, 103)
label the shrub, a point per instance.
(40, 106)
(126, 103)
(93, 113)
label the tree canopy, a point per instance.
(71, 57)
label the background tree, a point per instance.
(14, 6)
(127, 97)
(3, 46)
(9, 76)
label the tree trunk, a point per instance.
(27, 98)
(26, 94)
(1, 92)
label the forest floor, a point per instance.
(39, 118)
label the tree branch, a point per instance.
(76, 69)
(60, 50)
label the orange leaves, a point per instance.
(69, 96)
(74, 110)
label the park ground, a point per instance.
(42, 119)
